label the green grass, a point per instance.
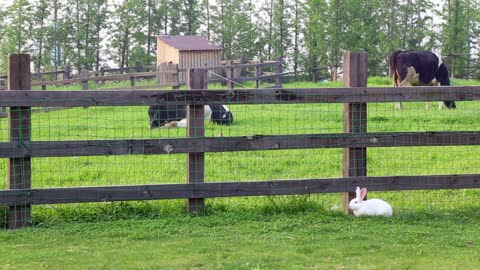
(285, 237)
(430, 229)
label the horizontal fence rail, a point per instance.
(354, 140)
(231, 189)
(237, 96)
(235, 144)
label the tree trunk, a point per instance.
(149, 30)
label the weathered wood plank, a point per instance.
(246, 79)
(195, 121)
(142, 87)
(254, 65)
(238, 143)
(19, 119)
(127, 97)
(354, 121)
(116, 77)
(234, 189)
(167, 73)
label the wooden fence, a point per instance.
(167, 74)
(19, 196)
(66, 72)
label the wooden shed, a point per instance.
(187, 52)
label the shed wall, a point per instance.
(192, 59)
(187, 59)
(166, 53)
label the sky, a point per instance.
(5, 2)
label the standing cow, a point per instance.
(419, 68)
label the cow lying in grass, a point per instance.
(168, 116)
(419, 68)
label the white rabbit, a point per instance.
(371, 207)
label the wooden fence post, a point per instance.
(41, 78)
(138, 66)
(243, 71)
(132, 81)
(19, 168)
(258, 73)
(355, 70)
(3, 110)
(314, 74)
(67, 72)
(84, 74)
(229, 74)
(175, 76)
(196, 161)
(102, 73)
(279, 70)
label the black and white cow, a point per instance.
(175, 115)
(419, 68)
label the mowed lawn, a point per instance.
(267, 237)
(429, 230)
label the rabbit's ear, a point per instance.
(363, 193)
(357, 191)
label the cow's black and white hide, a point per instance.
(166, 116)
(419, 68)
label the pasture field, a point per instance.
(429, 230)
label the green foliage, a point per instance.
(314, 32)
(457, 35)
(232, 27)
(191, 13)
(16, 31)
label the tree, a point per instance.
(280, 40)
(315, 35)
(64, 33)
(297, 25)
(190, 14)
(157, 24)
(128, 32)
(3, 27)
(416, 24)
(474, 39)
(99, 20)
(234, 28)
(206, 18)
(39, 31)
(366, 31)
(456, 36)
(18, 29)
(335, 35)
(246, 34)
(53, 44)
(175, 18)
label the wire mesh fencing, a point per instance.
(281, 142)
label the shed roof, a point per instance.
(190, 43)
